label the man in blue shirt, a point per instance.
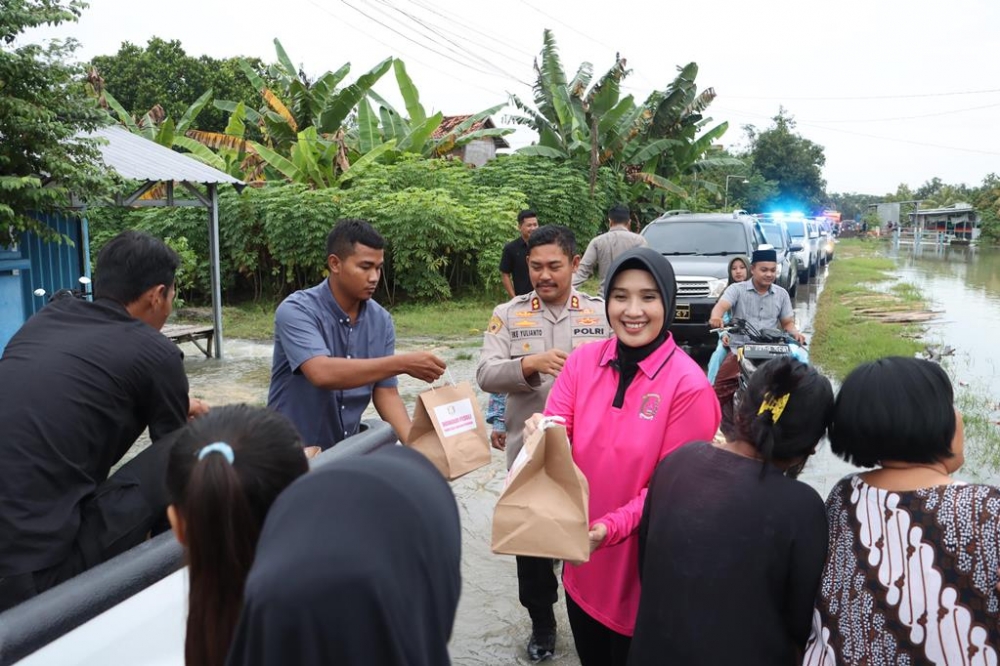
(334, 347)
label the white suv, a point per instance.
(808, 256)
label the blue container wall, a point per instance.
(54, 266)
(35, 264)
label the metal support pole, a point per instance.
(213, 250)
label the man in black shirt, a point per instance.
(514, 260)
(79, 382)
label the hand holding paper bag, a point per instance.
(448, 427)
(543, 510)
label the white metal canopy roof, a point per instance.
(137, 158)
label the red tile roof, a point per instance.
(448, 123)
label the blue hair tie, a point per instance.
(217, 447)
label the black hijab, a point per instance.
(357, 564)
(654, 263)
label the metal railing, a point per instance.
(37, 622)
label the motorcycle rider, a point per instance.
(762, 304)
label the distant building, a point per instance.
(960, 220)
(478, 151)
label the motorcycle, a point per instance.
(754, 348)
(83, 293)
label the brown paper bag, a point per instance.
(449, 428)
(543, 510)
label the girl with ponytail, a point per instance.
(731, 545)
(225, 471)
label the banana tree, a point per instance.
(290, 103)
(415, 134)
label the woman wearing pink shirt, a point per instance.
(627, 402)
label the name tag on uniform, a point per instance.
(523, 333)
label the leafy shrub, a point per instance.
(445, 224)
(558, 191)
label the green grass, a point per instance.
(843, 338)
(448, 320)
(459, 320)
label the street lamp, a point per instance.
(725, 206)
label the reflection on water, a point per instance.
(964, 284)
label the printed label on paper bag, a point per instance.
(455, 417)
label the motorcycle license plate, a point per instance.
(683, 312)
(764, 351)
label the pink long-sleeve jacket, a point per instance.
(667, 405)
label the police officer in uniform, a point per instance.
(524, 348)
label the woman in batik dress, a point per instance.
(912, 566)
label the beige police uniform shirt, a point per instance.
(523, 326)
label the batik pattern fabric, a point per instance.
(910, 577)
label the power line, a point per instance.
(458, 49)
(866, 97)
(423, 46)
(394, 48)
(471, 28)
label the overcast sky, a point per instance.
(896, 91)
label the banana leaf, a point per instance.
(343, 101)
(637, 153)
(411, 96)
(124, 116)
(304, 156)
(282, 164)
(254, 78)
(236, 125)
(200, 152)
(192, 111)
(279, 107)
(285, 61)
(251, 114)
(543, 151)
(217, 141)
(368, 133)
(165, 133)
(324, 87)
(659, 182)
(416, 140)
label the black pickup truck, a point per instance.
(700, 247)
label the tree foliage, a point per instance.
(793, 162)
(43, 108)
(161, 74)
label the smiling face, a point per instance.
(551, 272)
(635, 308)
(527, 226)
(357, 275)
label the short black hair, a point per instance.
(131, 263)
(347, 233)
(524, 215)
(803, 420)
(619, 214)
(895, 408)
(554, 234)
